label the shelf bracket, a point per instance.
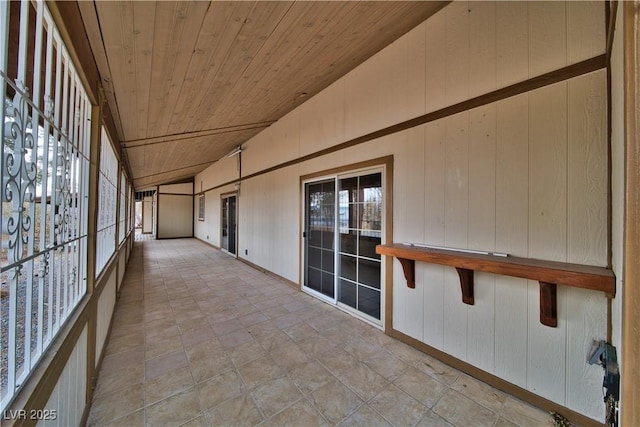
(466, 284)
(548, 304)
(409, 268)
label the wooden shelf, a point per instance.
(548, 273)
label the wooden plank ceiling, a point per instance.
(189, 81)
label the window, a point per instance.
(122, 228)
(107, 203)
(201, 207)
(45, 173)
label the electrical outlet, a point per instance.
(207, 237)
(246, 251)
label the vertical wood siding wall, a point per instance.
(526, 175)
(106, 305)
(68, 398)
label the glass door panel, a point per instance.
(228, 224)
(360, 218)
(320, 234)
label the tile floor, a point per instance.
(199, 339)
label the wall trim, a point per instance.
(176, 194)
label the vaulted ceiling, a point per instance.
(189, 81)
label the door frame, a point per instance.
(386, 165)
(222, 197)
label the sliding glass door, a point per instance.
(343, 225)
(228, 224)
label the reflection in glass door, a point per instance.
(360, 220)
(320, 227)
(345, 269)
(228, 224)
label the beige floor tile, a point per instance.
(338, 361)
(223, 328)
(115, 362)
(245, 353)
(460, 410)
(165, 363)
(335, 401)
(206, 366)
(135, 419)
(310, 376)
(397, 407)
(175, 410)
(161, 323)
(506, 423)
(290, 356)
(236, 338)
(252, 319)
(116, 379)
(158, 347)
(193, 324)
(114, 405)
(275, 341)
(431, 419)
(220, 388)
(317, 346)
(361, 350)
(438, 370)
(162, 332)
(275, 312)
(364, 416)
(201, 421)
(273, 396)
(193, 337)
(167, 384)
(204, 349)
(263, 330)
(421, 387)
(386, 364)
(301, 332)
(409, 354)
(523, 414)
(259, 371)
(244, 310)
(238, 411)
(301, 413)
(480, 392)
(363, 380)
(129, 342)
(218, 315)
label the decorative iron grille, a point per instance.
(122, 231)
(107, 203)
(45, 146)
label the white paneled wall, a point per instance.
(106, 304)
(526, 176)
(209, 229)
(67, 401)
(269, 220)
